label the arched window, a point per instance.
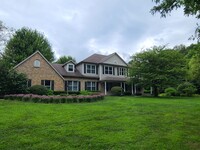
(36, 63)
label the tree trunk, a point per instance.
(155, 91)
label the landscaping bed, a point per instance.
(54, 99)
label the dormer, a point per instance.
(69, 66)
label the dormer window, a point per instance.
(70, 67)
(36, 63)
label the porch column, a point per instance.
(105, 87)
(132, 89)
(124, 87)
(135, 89)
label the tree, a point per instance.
(5, 34)
(65, 59)
(190, 7)
(11, 82)
(25, 42)
(158, 67)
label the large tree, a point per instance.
(25, 42)
(190, 7)
(158, 67)
(64, 59)
(5, 34)
(11, 82)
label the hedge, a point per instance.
(53, 99)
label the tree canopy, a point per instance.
(64, 59)
(190, 7)
(25, 42)
(158, 67)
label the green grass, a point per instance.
(114, 123)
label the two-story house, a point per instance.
(95, 73)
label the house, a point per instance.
(95, 73)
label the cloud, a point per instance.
(81, 28)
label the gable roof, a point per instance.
(43, 58)
(98, 58)
(70, 61)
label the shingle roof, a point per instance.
(95, 58)
(64, 73)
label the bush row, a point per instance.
(53, 99)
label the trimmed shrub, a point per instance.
(50, 92)
(39, 90)
(60, 92)
(186, 89)
(85, 93)
(117, 90)
(170, 91)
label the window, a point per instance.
(71, 68)
(36, 63)
(90, 68)
(122, 71)
(49, 84)
(91, 86)
(73, 85)
(108, 70)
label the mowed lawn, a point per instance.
(114, 123)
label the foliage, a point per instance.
(85, 93)
(190, 7)
(5, 34)
(50, 92)
(38, 89)
(128, 123)
(158, 67)
(64, 59)
(116, 90)
(25, 42)
(186, 88)
(54, 99)
(170, 91)
(59, 92)
(11, 82)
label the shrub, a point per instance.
(60, 92)
(73, 92)
(50, 92)
(186, 89)
(170, 91)
(116, 90)
(39, 89)
(85, 93)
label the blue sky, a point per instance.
(83, 27)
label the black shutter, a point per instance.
(52, 85)
(103, 68)
(42, 82)
(86, 86)
(79, 86)
(66, 86)
(97, 84)
(84, 68)
(97, 69)
(113, 70)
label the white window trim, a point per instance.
(122, 71)
(91, 85)
(36, 63)
(73, 86)
(68, 67)
(108, 70)
(90, 68)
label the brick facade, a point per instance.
(44, 72)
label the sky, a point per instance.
(80, 28)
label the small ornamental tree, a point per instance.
(187, 89)
(117, 90)
(170, 91)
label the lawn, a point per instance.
(114, 123)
